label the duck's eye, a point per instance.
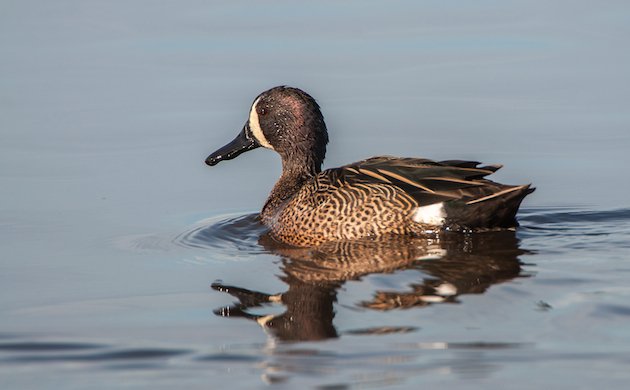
(262, 111)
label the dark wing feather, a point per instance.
(460, 163)
(425, 180)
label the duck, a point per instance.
(376, 197)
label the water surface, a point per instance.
(126, 261)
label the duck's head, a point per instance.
(286, 120)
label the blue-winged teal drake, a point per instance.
(374, 197)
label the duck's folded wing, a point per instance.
(425, 180)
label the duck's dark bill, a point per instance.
(242, 143)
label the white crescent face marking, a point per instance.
(254, 126)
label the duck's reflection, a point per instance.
(452, 264)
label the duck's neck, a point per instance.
(295, 173)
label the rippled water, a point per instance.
(126, 262)
(477, 307)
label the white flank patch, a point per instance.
(433, 214)
(254, 126)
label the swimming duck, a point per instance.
(374, 197)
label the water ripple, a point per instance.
(239, 232)
(34, 346)
(577, 229)
(553, 217)
(68, 351)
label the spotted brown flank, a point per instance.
(378, 196)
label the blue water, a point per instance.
(125, 261)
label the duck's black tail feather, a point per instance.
(495, 211)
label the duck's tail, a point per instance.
(494, 211)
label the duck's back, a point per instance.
(389, 195)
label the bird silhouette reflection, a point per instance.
(451, 264)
